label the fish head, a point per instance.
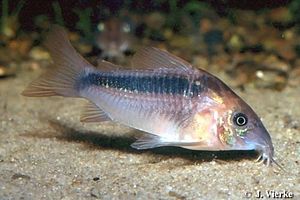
(241, 129)
(115, 38)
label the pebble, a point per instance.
(20, 176)
(39, 53)
(95, 192)
(7, 70)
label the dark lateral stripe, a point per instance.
(145, 84)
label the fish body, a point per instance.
(163, 95)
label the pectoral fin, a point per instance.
(149, 141)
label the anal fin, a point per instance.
(93, 113)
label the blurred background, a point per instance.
(247, 43)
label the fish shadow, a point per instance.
(98, 140)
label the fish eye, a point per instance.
(240, 119)
(126, 28)
(101, 27)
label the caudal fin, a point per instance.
(60, 80)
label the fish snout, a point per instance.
(264, 146)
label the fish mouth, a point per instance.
(262, 143)
(266, 156)
(265, 148)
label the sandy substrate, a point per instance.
(46, 153)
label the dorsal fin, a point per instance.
(153, 58)
(93, 113)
